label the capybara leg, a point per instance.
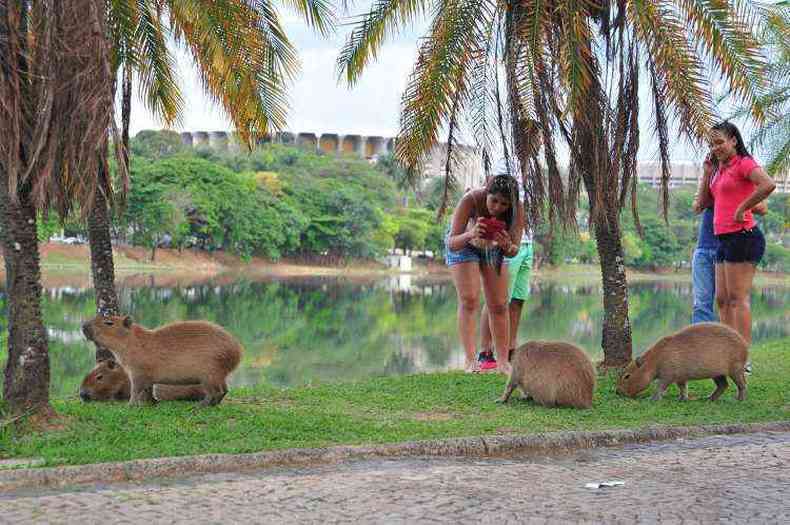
(721, 386)
(684, 391)
(740, 381)
(214, 394)
(661, 387)
(507, 393)
(142, 392)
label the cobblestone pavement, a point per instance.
(740, 479)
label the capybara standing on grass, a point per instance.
(108, 382)
(183, 353)
(553, 374)
(700, 351)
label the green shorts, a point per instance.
(519, 268)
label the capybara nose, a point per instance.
(84, 395)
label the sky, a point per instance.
(321, 104)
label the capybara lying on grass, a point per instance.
(700, 351)
(182, 353)
(553, 374)
(108, 382)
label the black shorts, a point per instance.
(742, 246)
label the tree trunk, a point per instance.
(26, 383)
(102, 266)
(616, 336)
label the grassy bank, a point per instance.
(379, 410)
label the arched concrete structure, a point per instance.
(218, 140)
(186, 139)
(375, 146)
(351, 144)
(263, 139)
(307, 141)
(200, 138)
(286, 138)
(329, 143)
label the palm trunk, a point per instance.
(102, 265)
(616, 336)
(26, 383)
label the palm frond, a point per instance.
(678, 66)
(244, 58)
(317, 13)
(441, 75)
(155, 66)
(369, 32)
(723, 33)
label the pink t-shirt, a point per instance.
(730, 187)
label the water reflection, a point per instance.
(307, 330)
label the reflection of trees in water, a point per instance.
(298, 331)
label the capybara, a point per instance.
(700, 351)
(553, 374)
(108, 382)
(181, 353)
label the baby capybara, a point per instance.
(700, 351)
(182, 353)
(109, 382)
(553, 374)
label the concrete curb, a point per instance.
(534, 444)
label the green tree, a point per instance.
(572, 74)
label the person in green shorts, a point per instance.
(519, 268)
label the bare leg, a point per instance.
(661, 387)
(740, 381)
(739, 286)
(684, 391)
(495, 291)
(722, 298)
(466, 277)
(516, 305)
(721, 386)
(485, 329)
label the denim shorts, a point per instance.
(471, 254)
(742, 246)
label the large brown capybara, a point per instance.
(108, 382)
(700, 351)
(181, 353)
(553, 374)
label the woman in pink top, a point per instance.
(737, 185)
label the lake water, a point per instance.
(311, 330)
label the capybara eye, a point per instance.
(626, 376)
(99, 377)
(108, 322)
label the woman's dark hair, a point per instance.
(729, 129)
(506, 185)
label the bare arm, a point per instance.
(765, 185)
(459, 236)
(761, 208)
(704, 199)
(514, 235)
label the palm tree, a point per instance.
(245, 62)
(55, 109)
(572, 72)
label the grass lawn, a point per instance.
(378, 410)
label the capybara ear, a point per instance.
(127, 321)
(639, 361)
